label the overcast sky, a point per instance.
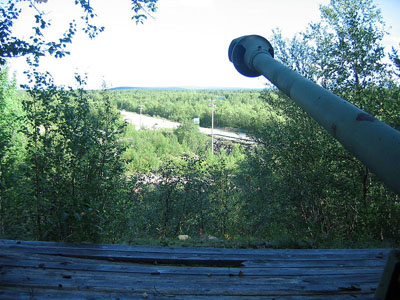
(186, 44)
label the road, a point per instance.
(146, 122)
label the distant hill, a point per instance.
(179, 88)
(145, 88)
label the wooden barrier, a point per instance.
(48, 270)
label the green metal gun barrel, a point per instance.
(373, 142)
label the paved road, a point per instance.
(142, 121)
(146, 122)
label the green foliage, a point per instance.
(147, 150)
(314, 188)
(190, 137)
(9, 111)
(394, 56)
(72, 168)
(187, 194)
(11, 155)
(37, 45)
(143, 9)
(148, 187)
(296, 53)
(238, 109)
(348, 49)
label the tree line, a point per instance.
(238, 109)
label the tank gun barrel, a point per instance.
(373, 142)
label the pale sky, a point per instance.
(186, 45)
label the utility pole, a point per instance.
(212, 121)
(212, 125)
(140, 116)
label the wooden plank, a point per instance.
(310, 263)
(291, 262)
(178, 273)
(48, 270)
(196, 258)
(48, 262)
(389, 285)
(44, 294)
(193, 285)
(37, 276)
(325, 253)
(288, 263)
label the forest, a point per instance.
(72, 170)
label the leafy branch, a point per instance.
(37, 45)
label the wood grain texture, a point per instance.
(48, 270)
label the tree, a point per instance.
(72, 165)
(327, 192)
(190, 137)
(37, 45)
(295, 53)
(348, 48)
(74, 172)
(11, 155)
(394, 56)
(349, 56)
